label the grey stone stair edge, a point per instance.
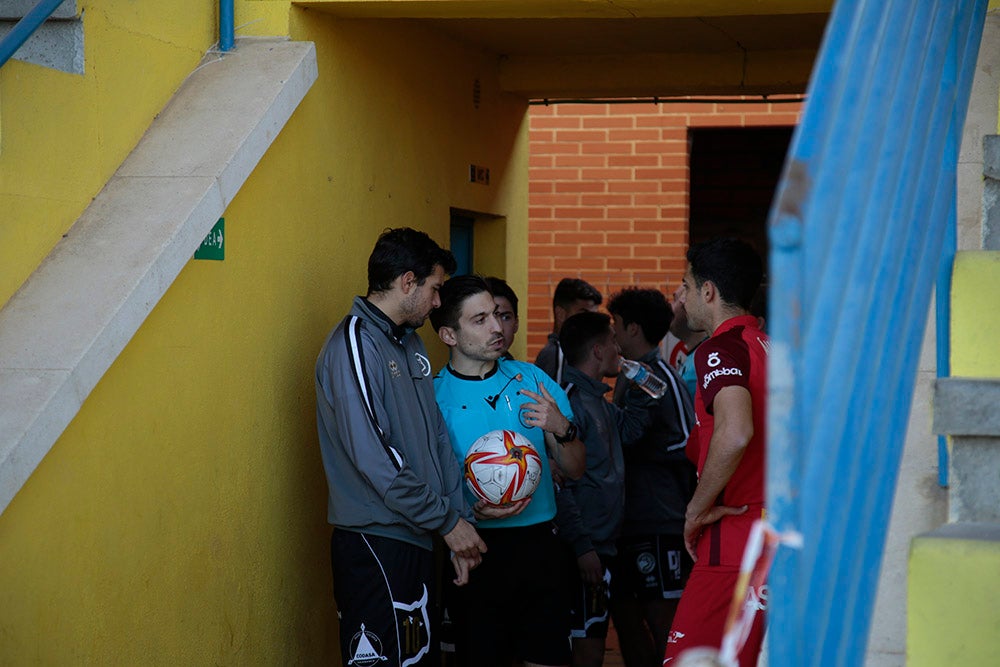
(967, 406)
(965, 530)
(66, 325)
(974, 479)
(56, 44)
(14, 10)
(991, 192)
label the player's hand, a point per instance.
(462, 567)
(464, 541)
(695, 522)
(590, 567)
(544, 413)
(484, 510)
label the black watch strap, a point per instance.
(569, 435)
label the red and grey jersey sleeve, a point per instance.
(721, 361)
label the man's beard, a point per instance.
(414, 323)
(412, 317)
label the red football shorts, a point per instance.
(701, 615)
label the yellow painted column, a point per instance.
(975, 314)
(954, 586)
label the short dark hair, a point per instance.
(499, 287)
(732, 265)
(582, 331)
(575, 289)
(404, 249)
(646, 307)
(453, 294)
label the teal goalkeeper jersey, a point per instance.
(473, 406)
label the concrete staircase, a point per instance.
(74, 315)
(954, 571)
(968, 410)
(58, 43)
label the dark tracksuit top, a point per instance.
(551, 359)
(388, 460)
(659, 478)
(590, 510)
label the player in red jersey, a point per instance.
(728, 443)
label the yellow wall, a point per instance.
(63, 135)
(180, 519)
(952, 612)
(975, 319)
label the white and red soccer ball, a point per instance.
(502, 467)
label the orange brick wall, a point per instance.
(608, 195)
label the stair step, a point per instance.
(16, 9)
(57, 44)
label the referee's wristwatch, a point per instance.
(569, 435)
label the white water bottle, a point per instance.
(647, 381)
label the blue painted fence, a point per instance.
(857, 233)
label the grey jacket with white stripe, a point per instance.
(389, 464)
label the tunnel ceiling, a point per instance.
(581, 48)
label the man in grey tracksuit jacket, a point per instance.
(396, 475)
(393, 480)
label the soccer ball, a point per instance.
(502, 467)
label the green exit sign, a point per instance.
(214, 245)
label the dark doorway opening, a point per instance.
(462, 244)
(734, 173)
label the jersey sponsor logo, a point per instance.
(719, 372)
(366, 649)
(425, 363)
(394, 368)
(713, 359)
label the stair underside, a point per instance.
(74, 315)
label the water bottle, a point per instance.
(647, 381)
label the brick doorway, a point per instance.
(733, 176)
(610, 196)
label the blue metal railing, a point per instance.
(857, 234)
(942, 327)
(227, 30)
(26, 27)
(37, 15)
